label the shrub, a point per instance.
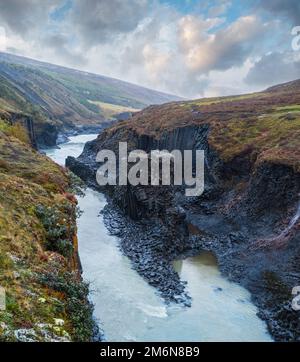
(15, 130)
(77, 305)
(58, 235)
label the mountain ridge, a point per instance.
(59, 99)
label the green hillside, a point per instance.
(59, 99)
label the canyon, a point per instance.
(178, 257)
(252, 187)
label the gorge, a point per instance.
(128, 309)
(162, 265)
(252, 185)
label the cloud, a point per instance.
(22, 17)
(155, 61)
(185, 54)
(59, 45)
(154, 43)
(3, 39)
(205, 51)
(219, 9)
(286, 8)
(97, 21)
(274, 68)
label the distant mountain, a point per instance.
(67, 97)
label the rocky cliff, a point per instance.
(251, 197)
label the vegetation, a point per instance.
(271, 136)
(46, 299)
(265, 125)
(59, 231)
(64, 95)
(16, 130)
(75, 293)
(110, 110)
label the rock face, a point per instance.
(252, 191)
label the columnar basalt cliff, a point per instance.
(252, 192)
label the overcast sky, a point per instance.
(192, 48)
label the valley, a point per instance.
(252, 188)
(62, 100)
(216, 262)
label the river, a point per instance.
(128, 309)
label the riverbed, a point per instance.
(128, 309)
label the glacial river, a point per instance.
(128, 309)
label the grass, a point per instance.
(30, 165)
(37, 238)
(265, 125)
(16, 130)
(215, 100)
(271, 135)
(289, 109)
(109, 110)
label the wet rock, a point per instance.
(25, 335)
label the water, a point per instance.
(291, 224)
(130, 310)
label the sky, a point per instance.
(191, 48)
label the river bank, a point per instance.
(44, 298)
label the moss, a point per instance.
(22, 161)
(270, 136)
(76, 294)
(266, 124)
(14, 130)
(38, 226)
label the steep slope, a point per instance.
(39, 265)
(67, 99)
(248, 214)
(87, 86)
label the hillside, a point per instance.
(46, 299)
(265, 125)
(55, 96)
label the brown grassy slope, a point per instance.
(38, 256)
(268, 123)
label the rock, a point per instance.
(25, 335)
(59, 322)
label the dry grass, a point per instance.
(109, 110)
(29, 180)
(16, 130)
(267, 123)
